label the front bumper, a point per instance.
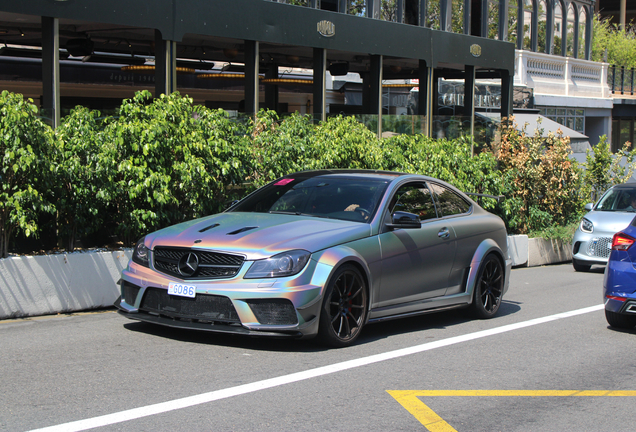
(591, 248)
(284, 307)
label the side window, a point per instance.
(448, 202)
(414, 198)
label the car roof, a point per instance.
(630, 185)
(388, 175)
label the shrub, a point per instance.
(604, 169)
(541, 182)
(26, 146)
(81, 178)
(168, 160)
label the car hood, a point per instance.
(610, 222)
(259, 235)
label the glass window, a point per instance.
(448, 202)
(625, 131)
(617, 200)
(414, 198)
(580, 125)
(339, 197)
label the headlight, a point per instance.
(141, 254)
(587, 226)
(281, 265)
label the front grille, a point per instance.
(129, 292)
(209, 265)
(203, 307)
(600, 247)
(274, 312)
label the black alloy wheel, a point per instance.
(344, 309)
(488, 288)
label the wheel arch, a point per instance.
(486, 247)
(343, 255)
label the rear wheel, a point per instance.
(344, 308)
(488, 288)
(619, 320)
(580, 267)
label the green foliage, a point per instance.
(80, 175)
(557, 232)
(168, 160)
(604, 169)
(540, 181)
(26, 146)
(620, 44)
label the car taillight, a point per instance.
(622, 241)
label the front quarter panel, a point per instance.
(486, 247)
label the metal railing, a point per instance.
(621, 80)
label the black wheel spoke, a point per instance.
(489, 288)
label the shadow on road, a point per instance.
(370, 333)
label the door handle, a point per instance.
(443, 233)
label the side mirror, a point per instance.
(406, 220)
(589, 206)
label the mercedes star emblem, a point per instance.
(188, 264)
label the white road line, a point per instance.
(176, 404)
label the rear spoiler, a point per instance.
(496, 197)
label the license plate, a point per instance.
(182, 290)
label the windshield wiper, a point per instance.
(297, 214)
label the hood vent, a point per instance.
(238, 231)
(209, 227)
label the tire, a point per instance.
(488, 288)
(344, 308)
(619, 320)
(580, 267)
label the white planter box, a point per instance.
(542, 252)
(49, 284)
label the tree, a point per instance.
(26, 146)
(619, 44)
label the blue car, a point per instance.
(619, 284)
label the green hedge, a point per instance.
(166, 160)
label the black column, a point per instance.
(51, 68)
(165, 65)
(375, 90)
(271, 90)
(507, 82)
(320, 87)
(251, 77)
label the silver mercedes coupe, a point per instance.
(322, 253)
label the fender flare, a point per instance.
(486, 247)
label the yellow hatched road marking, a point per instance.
(434, 423)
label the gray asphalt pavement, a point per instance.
(549, 343)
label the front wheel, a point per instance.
(344, 308)
(619, 320)
(488, 288)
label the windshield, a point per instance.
(618, 200)
(337, 197)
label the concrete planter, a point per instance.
(533, 252)
(49, 284)
(542, 252)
